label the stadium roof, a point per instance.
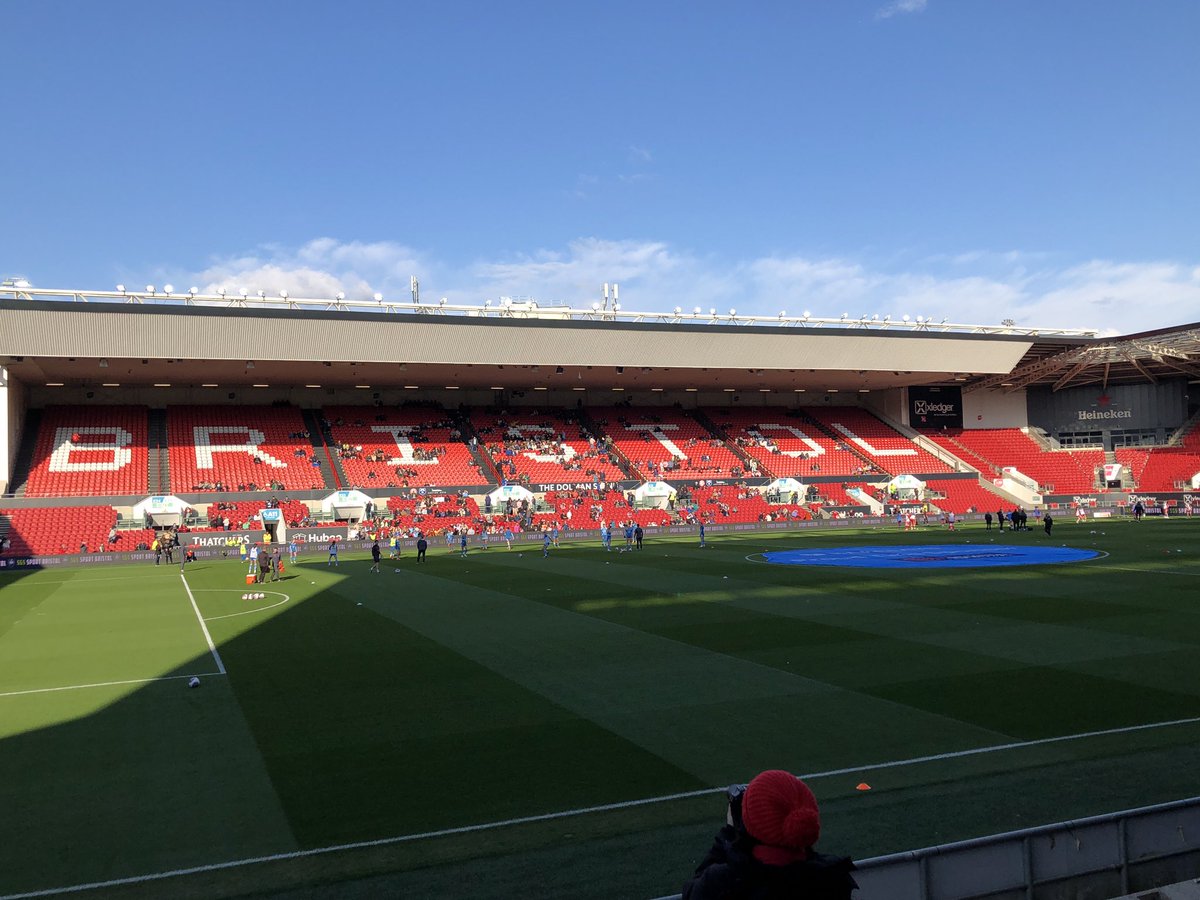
(69, 337)
(1149, 356)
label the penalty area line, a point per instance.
(203, 627)
(546, 817)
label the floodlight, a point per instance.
(121, 288)
(243, 292)
(193, 291)
(261, 294)
(732, 313)
(844, 316)
(168, 288)
(678, 310)
(875, 317)
(487, 303)
(783, 314)
(221, 291)
(696, 311)
(888, 317)
(807, 314)
(341, 296)
(149, 289)
(920, 319)
(616, 306)
(595, 307)
(712, 311)
(379, 298)
(283, 294)
(442, 302)
(905, 317)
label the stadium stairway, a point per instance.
(750, 466)
(483, 461)
(614, 452)
(24, 461)
(158, 463)
(329, 466)
(841, 440)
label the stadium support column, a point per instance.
(9, 431)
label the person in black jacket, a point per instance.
(765, 851)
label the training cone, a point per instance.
(862, 786)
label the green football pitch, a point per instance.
(512, 725)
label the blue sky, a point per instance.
(1027, 159)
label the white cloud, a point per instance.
(979, 287)
(900, 6)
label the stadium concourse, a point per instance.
(108, 399)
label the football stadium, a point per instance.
(944, 572)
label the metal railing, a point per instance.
(1101, 856)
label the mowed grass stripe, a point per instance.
(90, 633)
(707, 712)
(363, 724)
(117, 781)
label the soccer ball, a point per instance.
(397, 571)
(194, 682)
(245, 596)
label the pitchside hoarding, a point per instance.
(935, 407)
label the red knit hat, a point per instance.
(780, 811)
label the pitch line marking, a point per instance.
(1152, 571)
(199, 618)
(286, 598)
(82, 580)
(546, 817)
(79, 687)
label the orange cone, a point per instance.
(863, 786)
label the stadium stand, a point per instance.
(440, 513)
(785, 443)
(408, 447)
(243, 512)
(665, 443)
(884, 447)
(726, 503)
(89, 451)
(588, 508)
(54, 530)
(1168, 468)
(219, 448)
(543, 447)
(961, 495)
(1056, 471)
(838, 493)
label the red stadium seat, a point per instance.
(237, 447)
(543, 447)
(409, 447)
(93, 451)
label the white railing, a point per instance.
(507, 308)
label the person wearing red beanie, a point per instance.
(765, 851)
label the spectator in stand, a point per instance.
(765, 849)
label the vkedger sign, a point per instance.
(934, 406)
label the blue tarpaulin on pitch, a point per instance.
(930, 556)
